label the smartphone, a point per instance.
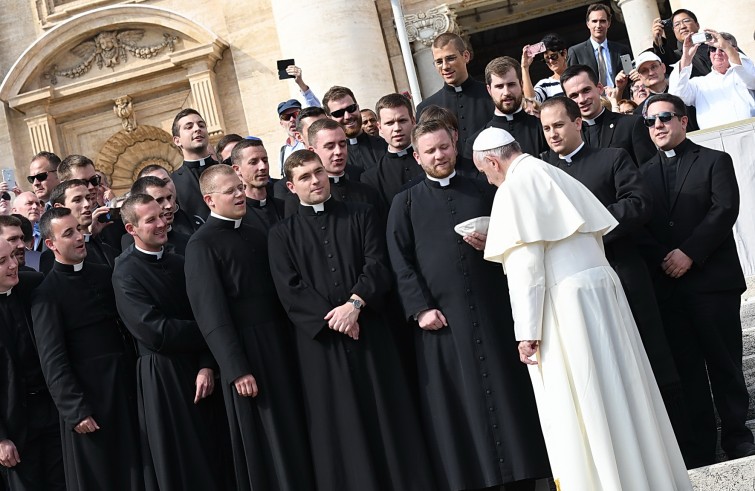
(112, 214)
(666, 22)
(701, 37)
(535, 49)
(9, 176)
(626, 64)
(282, 65)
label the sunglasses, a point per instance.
(41, 177)
(289, 116)
(665, 117)
(5, 196)
(94, 180)
(348, 109)
(553, 57)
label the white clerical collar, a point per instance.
(403, 152)
(353, 141)
(158, 254)
(509, 117)
(569, 157)
(669, 153)
(591, 122)
(203, 161)
(236, 221)
(263, 202)
(170, 228)
(337, 179)
(443, 181)
(457, 88)
(7, 294)
(317, 207)
(87, 237)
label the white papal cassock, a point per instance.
(602, 415)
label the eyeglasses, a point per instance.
(679, 23)
(288, 116)
(553, 57)
(230, 191)
(348, 109)
(95, 180)
(665, 117)
(41, 177)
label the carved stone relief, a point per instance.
(124, 110)
(424, 27)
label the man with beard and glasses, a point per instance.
(249, 160)
(341, 106)
(182, 222)
(503, 77)
(43, 176)
(464, 336)
(162, 193)
(397, 167)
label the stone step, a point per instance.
(733, 475)
(748, 339)
(748, 369)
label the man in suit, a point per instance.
(690, 250)
(597, 52)
(602, 128)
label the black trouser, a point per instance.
(705, 334)
(41, 466)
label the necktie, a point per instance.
(602, 66)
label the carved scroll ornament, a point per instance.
(426, 26)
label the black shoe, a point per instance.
(745, 449)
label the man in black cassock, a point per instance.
(174, 371)
(465, 97)
(331, 273)
(85, 362)
(191, 137)
(30, 451)
(233, 299)
(182, 221)
(341, 106)
(612, 177)
(74, 195)
(249, 160)
(478, 408)
(163, 195)
(503, 77)
(397, 167)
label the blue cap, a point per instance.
(289, 104)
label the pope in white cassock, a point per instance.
(604, 422)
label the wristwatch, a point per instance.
(356, 303)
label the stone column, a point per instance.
(336, 42)
(42, 133)
(732, 16)
(204, 92)
(638, 16)
(422, 29)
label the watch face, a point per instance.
(356, 303)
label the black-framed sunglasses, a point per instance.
(348, 109)
(289, 116)
(553, 57)
(41, 177)
(665, 117)
(95, 180)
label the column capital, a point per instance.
(424, 27)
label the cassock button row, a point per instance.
(484, 374)
(326, 242)
(335, 284)
(478, 341)
(333, 270)
(495, 426)
(330, 255)
(482, 358)
(471, 307)
(500, 461)
(491, 409)
(488, 392)
(498, 444)
(322, 228)
(469, 290)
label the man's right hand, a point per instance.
(96, 227)
(688, 51)
(659, 32)
(9, 454)
(431, 320)
(87, 425)
(246, 386)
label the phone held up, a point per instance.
(701, 37)
(535, 49)
(112, 214)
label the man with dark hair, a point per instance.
(11, 231)
(465, 348)
(225, 145)
(43, 175)
(365, 151)
(306, 117)
(174, 369)
(690, 250)
(85, 362)
(601, 55)
(683, 23)
(464, 96)
(602, 128)
(74, 195)
(249, 160)
(331, 273)
(30, 451)
(615, 180)
(192, 139)
(182, 222)
(233, 299)
(503, 77)
(369, 122)
(162, 193)
(397, 167)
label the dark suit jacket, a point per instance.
(699, 221)
(626, 131)
(583, 54)
(189, 195)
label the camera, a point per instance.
(666, 22)
(701, 37)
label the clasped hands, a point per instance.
(344, 319)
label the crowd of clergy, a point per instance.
(341, 329)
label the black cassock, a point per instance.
(150, 294)
(263, 214)
(478, 408)
(365, 151)
(363, 424)
(176, 242)
(89, 372)
(186, 180)
(233, 298)
(184, 223)
(392, 173)
(344, 188)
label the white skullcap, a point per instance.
(491, 138)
